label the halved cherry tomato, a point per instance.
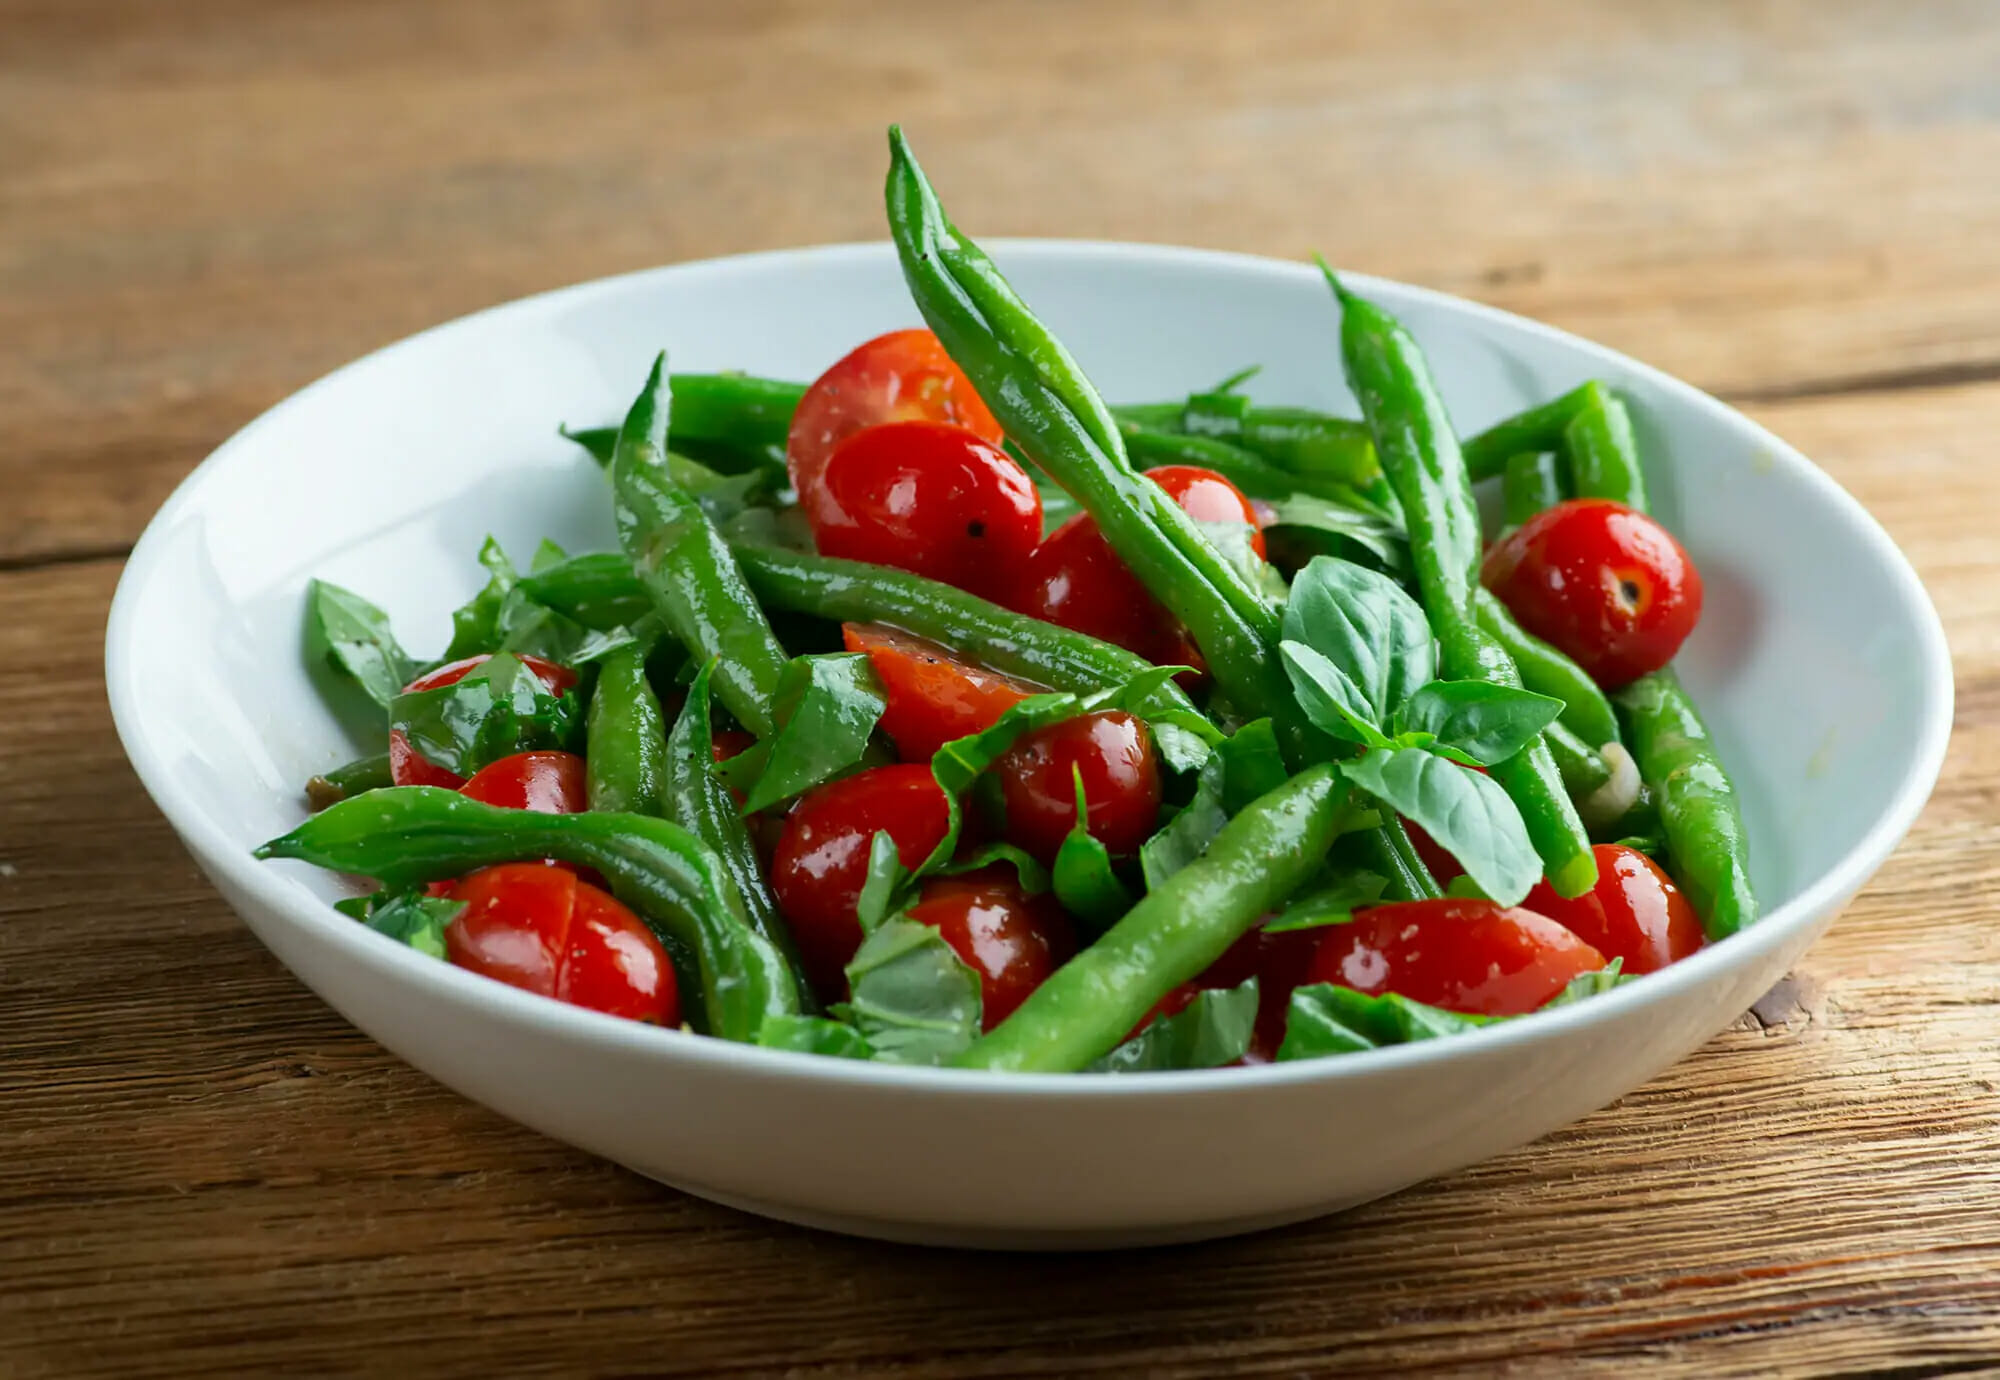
(1075, 580)
(931, 499)
(1014, 941)
(1207, 497)
(407, 767)
(821, 862)
(1600, 581)
(899, 377)
(1279, 962)
(1113, 752)
(1472, 956)
(1635, 912)
(932, 696)
(540, 929)
(546, 781)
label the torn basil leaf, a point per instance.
(1212, 1030)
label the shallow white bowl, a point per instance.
(1820, 664)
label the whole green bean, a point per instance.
(1537, 429)
(1246, 469)
(695, 798)
(1298, 440)
(1582, 768)
(686, 566)
(1696, 800)
(409, 835)
(1546, 671)
(718, 418)
(1387, 851)
(1419, 453)
(625, 762)
(597, 589)
(1603, 454)
(363, 774)
(1089, 1004)
(1051, 410)
(1532, 481)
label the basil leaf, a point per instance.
(1324, 1019)
(499, 708)
(1465, 813)
(915, 1001)
(1368, 627)
(475, 625)
(1591, 984)
(547, 556)
(1244, 765)
(1306, 525)
(881, 894)
(1032, 876)
(1332, 902)
(1252, 765)
(349, 636)
(1212, 1030)
(1331, 699)
(1085, 884)
(506, 617)
(813, 1035)
(408, 917)
(826, 707)
(1487, 722)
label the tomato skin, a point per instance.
(931, 499)
(1076, 581)
(1634, 913)
(899, 377)
(1471, 956)
(1279, 962)
(932, 696)
(1014, 941)
(821, 861)
(1207, 497)
(1602, 582)
(1121, 784)
(408, 768)
(515, 925)
(615, 964)
(549, 782)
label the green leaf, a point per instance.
(1465, 813)
(600, 441)
(505, 617)
(1032, 876)
(351, 637)
(408, 917)
(1591, 984)
(1245, 765)
(1331, 902)
(1252, 765)
(813, 1035)
(1306, 524)
(1488, 723)
(1212, 1030)
(914, 1000)
(499, 708)
(1368, 627)
(1085, 884)
(475, 625)
(826, 707)
(1332, 701)
(598, 590)
(882, 894)
(547, 556)
(1324, 1019)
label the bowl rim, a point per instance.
(391, 961)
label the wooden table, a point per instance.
(204, 206)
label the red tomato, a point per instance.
(729, 742)
(1011, 939)
(931, 499)
(1635, 912)
(1606, 584)
(899, 377)
(540, 929)
(1075, 580)
(1279, 962)
(932, 696)
(1207, 497)
(408, 768)
(1121, 783)
(549, 782)
(821, 860)
(1471, 956)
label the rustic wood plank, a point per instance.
(203, 1170)
(207, 205)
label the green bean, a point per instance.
(1582, 768)
(597, 589)
(364, 774)
(1298, 440)
(729, 421)
(409, 835)
(1419, 453)
(625, 762)
(1532, 481)
(1603, 455)
(686, 566)
(1537, 429)
(1546, 671)
(1387, 851)
(1051, 410)
(1089, 1004)
(695, 798)
(1696, 800)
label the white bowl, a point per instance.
(1820, 664)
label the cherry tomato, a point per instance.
(1121, 783)
(1606, 584)
(1075, 580)
(932, 696)
(1635, 912)
(899, 377)
(549, 782)
(821, 861)
(1011, 939)
(1471, 956)
(1207, 497)
(729, 742)
(409, 768)
(1279, 962)
(540, 929)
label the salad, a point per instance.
(938, 713)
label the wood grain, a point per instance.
(202, 1170)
